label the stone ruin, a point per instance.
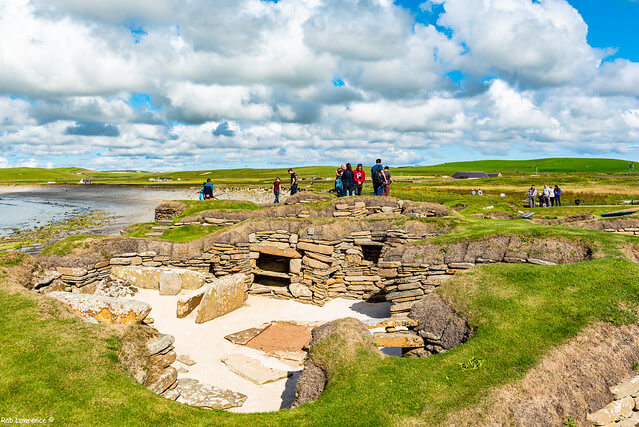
(372, 249)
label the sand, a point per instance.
(205, 342)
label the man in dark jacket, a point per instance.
(207, 189)
(348, 180)
(377, 176)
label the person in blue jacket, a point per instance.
(557, 196)
(377, 176)
(207, 189)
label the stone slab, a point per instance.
(612, 412)
(222, 296)
(106, 310)
(243, 337)
(208, 396)
(280, 250)
(626, 388)
(188, 303)
(398, 339)
(252, 369)
(312, 247)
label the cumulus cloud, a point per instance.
(168, 84)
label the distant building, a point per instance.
(165, 178)
(470, 175)
(85, 181)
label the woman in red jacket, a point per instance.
(360, 177)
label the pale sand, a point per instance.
(206, 345)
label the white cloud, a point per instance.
(4, 163)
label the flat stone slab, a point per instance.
(222, 296)
(104, 309)
(162, 343)
(186, 360)
(285, 252)
(243, 337)
(613, 412)
(626, 388)
(208, 396)
(149, 277)
(252, 369)
(391, 323)
(398, 339)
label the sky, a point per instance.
(192, 84)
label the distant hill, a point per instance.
(551, 165)
(73, 175)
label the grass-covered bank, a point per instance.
(52, 365)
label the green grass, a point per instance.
(67, 369)
(188, 232)
(68, 245)
(197, 206)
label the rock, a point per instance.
(72, 271)
(167, 378)
(208, 396)
(398, 339)
(252, 369)
(149, 277)
(373, 324)
(298, 290)
(315, 264)
(633, 421)
(243, 337)
(172, 394)
(170, 283)
(269, 249)
(612, 412)
(56, 286)
(104, 309)
(437, 320)
(186, 359)
(312, 247)
(626, 388)
(537, 261)
(222, 296)
(164, 360)
(295, 266)
(415, 353)
(158, 345)
(461, 265)
(188, 303)
(148, 321)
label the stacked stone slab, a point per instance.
(631, 231)
(624, 410)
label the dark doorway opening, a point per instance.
(372, 253)
(273, 263)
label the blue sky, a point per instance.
(162, 85)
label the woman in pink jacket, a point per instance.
(360, 177)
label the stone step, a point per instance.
(398, 339)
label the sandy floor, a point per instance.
(206, 345)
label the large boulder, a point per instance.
(333, 345)
(149, 277)
(439, 325)
(223, 296)
(104, 309)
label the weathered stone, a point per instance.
(437, 319)
(160, 344)
(186, 360)
(72, 271)
(173, 393)
(170, 283)
(402, 306)
(252, 369)
(626, 388)
(188, 303)
(389, 264)
(295, 266)
(612, 412)
(149, 277)
(398, 339)
(312, 247)
(222, 296)
(388, 272)
(164, 381)
(461, 265)
(164, 360)
(373, 324)
(243, 337)
(270, 249)
(404, 294)
(298, 290)
(104, 309)
(313, 263)
(362, 278)
(120, 261)
(208, 396)
(633, 421)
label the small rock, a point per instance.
(252, 369)
(165, 381)
(160, 344)
(172, 394)
(186, 359)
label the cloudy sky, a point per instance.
(196, 84)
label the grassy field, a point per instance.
(69, 370)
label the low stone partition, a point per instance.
(624, 410)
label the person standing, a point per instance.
(377, 176)
(480, 193)
(557, 196)
(387, 181)
(348, 180)
(551, 195)
(473, 192)
(546, 198)
(207, 189)
(360, 177)
(293, 181)
(276, 189)
(339, 187)
(532, 194)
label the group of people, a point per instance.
(549, 196)
(349, 182)
(476, 193)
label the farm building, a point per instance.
(474, 175)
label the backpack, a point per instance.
(378, 177)
(338, 182)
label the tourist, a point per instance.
(377, 176)
(557, 196)
(207, 189)
(546, 195)
(473, 192)
(387, 181)
(480, 193)
(551, 195)
(360, 177)
(338, 183)
(293, 182)
(348, 180)
(532, 193)
(276, 189)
